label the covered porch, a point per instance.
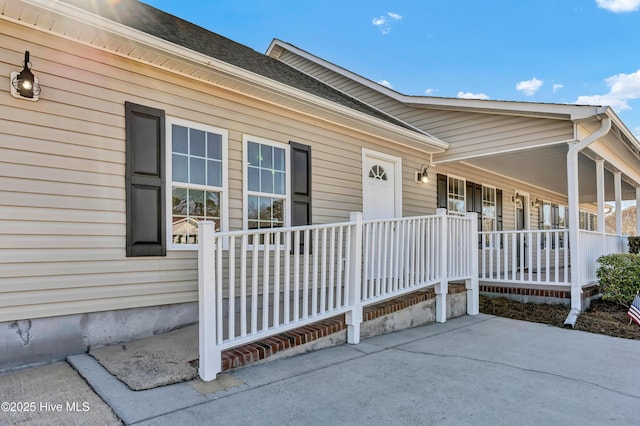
(592, 174)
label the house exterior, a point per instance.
(147, 124)
(521, 167)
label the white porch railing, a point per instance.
(592, 246)
(542, 256)
(253, 284)
(525, 257)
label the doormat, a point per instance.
(154, 361)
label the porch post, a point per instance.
(617, 184)
(471, 284)
(443, 287)
(600, 194)
(637, 206)
(353, 317)
(574, 227)
(210, 354)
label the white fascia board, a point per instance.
(411, 138)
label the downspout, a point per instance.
(574, 218)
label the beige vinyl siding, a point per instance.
(62, 162)
(469, 134)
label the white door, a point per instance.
(381, 200)
(379, 187)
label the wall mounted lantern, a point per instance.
(24, 84)
(422, 175)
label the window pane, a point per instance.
(279, 183)
(253, 183)
(197, 172)
(278, 211)
(197, 142)
(214, 146)
(266, 152)
(253, 224)
(179, 202)
(266, 181)
(252, 208)
(265, 209)
(214, 173)
(212, 205)
(279, 159)
(253, 154)
(179, 168)
(196, 203)
(179, 139)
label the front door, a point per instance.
(379, 198)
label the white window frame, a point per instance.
(464, 195)
(224, 189)
(245, 179)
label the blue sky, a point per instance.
(562, 51)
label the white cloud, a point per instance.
(622, 89)
(619, 6)
(384, 24)
(557, 87)
(529, 87)
(429, 91)
(385, 83)
(469, 95)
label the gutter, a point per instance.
(572, 164)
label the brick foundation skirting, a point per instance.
(560, 294)
(256, 351)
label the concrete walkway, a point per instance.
(480, 370)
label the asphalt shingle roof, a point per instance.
(150, 20)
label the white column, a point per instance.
(354, 316)
(473, 290)
(617, 181)
(442, 288)
(574, 227)
(600, 194)
(210, 353)
(637, 206)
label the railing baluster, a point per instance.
(296, 275)
(286, 315)
(314, 291)
(305, 277)
(332, 266)
(255, 268)
(232, 288)
(243, 286)
(265, 281)
(382, 229)
(323, 280)
(276, 278)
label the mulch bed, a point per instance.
(602, 317)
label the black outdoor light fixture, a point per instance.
(24, 84)
(422, 175)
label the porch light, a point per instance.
(24, 84)
(422, 175)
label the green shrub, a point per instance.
(634, 245)
(619, 277)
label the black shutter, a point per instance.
(442, 191)
(145, 181)
(300, 184)
(498, 209)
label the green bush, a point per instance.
(634, 245)
(619, 277)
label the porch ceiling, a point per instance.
(546, 167)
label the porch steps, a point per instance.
(257, 351)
